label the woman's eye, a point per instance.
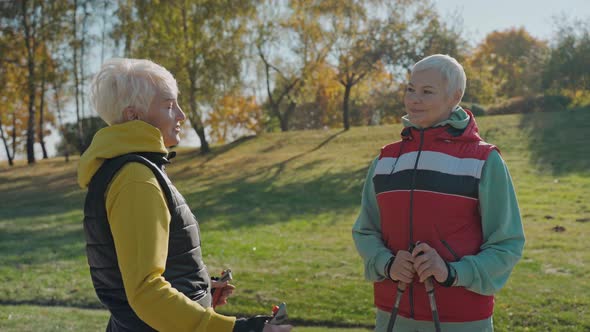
(428, 92)
(410, 89)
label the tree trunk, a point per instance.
(200, 130)
(77, 80)
(345, 110)
(104, 24)
(41, 108)
(285, 118)
(30, 44)
(56, 89)
(10, 163)
(195, 118)
(81, 61)
(13, 134)
(191, 70)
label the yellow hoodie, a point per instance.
(139, 219)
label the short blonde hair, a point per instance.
(450, 69)
(122, 83)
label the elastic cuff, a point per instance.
(451, 276)
(464, 273)
(388, 267)
(219, 322)
(381, 261)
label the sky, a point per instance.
(480, 17)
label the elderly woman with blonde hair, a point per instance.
(143, 241)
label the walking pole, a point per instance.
(401, 287)
(430, 291)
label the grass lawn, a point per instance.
(278, 209)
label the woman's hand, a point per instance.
(427, 262)
(402, 268)
(225, 288)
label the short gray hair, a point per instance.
(122, 83)
(450, 69)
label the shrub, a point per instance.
(476, 109)
(531, 104)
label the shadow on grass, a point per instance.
(255, 198)
(559, 141)
(41, 219)
(54, 303)
(28, 204)
(41, 246)
(280, 167)
(297, 322)
(248, 203)
(220, 150)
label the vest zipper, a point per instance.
(412, 215)
(448, 246)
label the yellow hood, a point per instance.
(116, 140)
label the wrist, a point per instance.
(387, 271)
(255, 324)
(451, 276)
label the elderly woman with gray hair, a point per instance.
(439, 229)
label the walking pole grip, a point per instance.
(226, 275)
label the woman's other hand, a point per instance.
(225, 288)
(402, 268)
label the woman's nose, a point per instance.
(414, 98)
(181, 115)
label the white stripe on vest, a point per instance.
(431, 161)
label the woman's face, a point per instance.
(427, 101)
(165, 114)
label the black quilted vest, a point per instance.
(185, 269)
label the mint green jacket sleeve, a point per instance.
(366, 232)
(503, 234)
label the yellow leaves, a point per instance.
(233, 116)
(506, 60)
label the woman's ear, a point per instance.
(457, 97)
(130, 113)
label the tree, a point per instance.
(506, 58)
(32, 24)
(78, 41)
(13, 99)
(207, 40)
(291, 43)
(356, 50)
(69, 134)
(403, 33)
(568, 56)
(29, 15)
(235, 116)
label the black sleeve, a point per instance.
(252, 324)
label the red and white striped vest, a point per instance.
(427, 190)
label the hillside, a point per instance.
(278, 210)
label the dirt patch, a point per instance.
(558, 229)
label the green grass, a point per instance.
(278, 210)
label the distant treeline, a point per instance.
(249, 66)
